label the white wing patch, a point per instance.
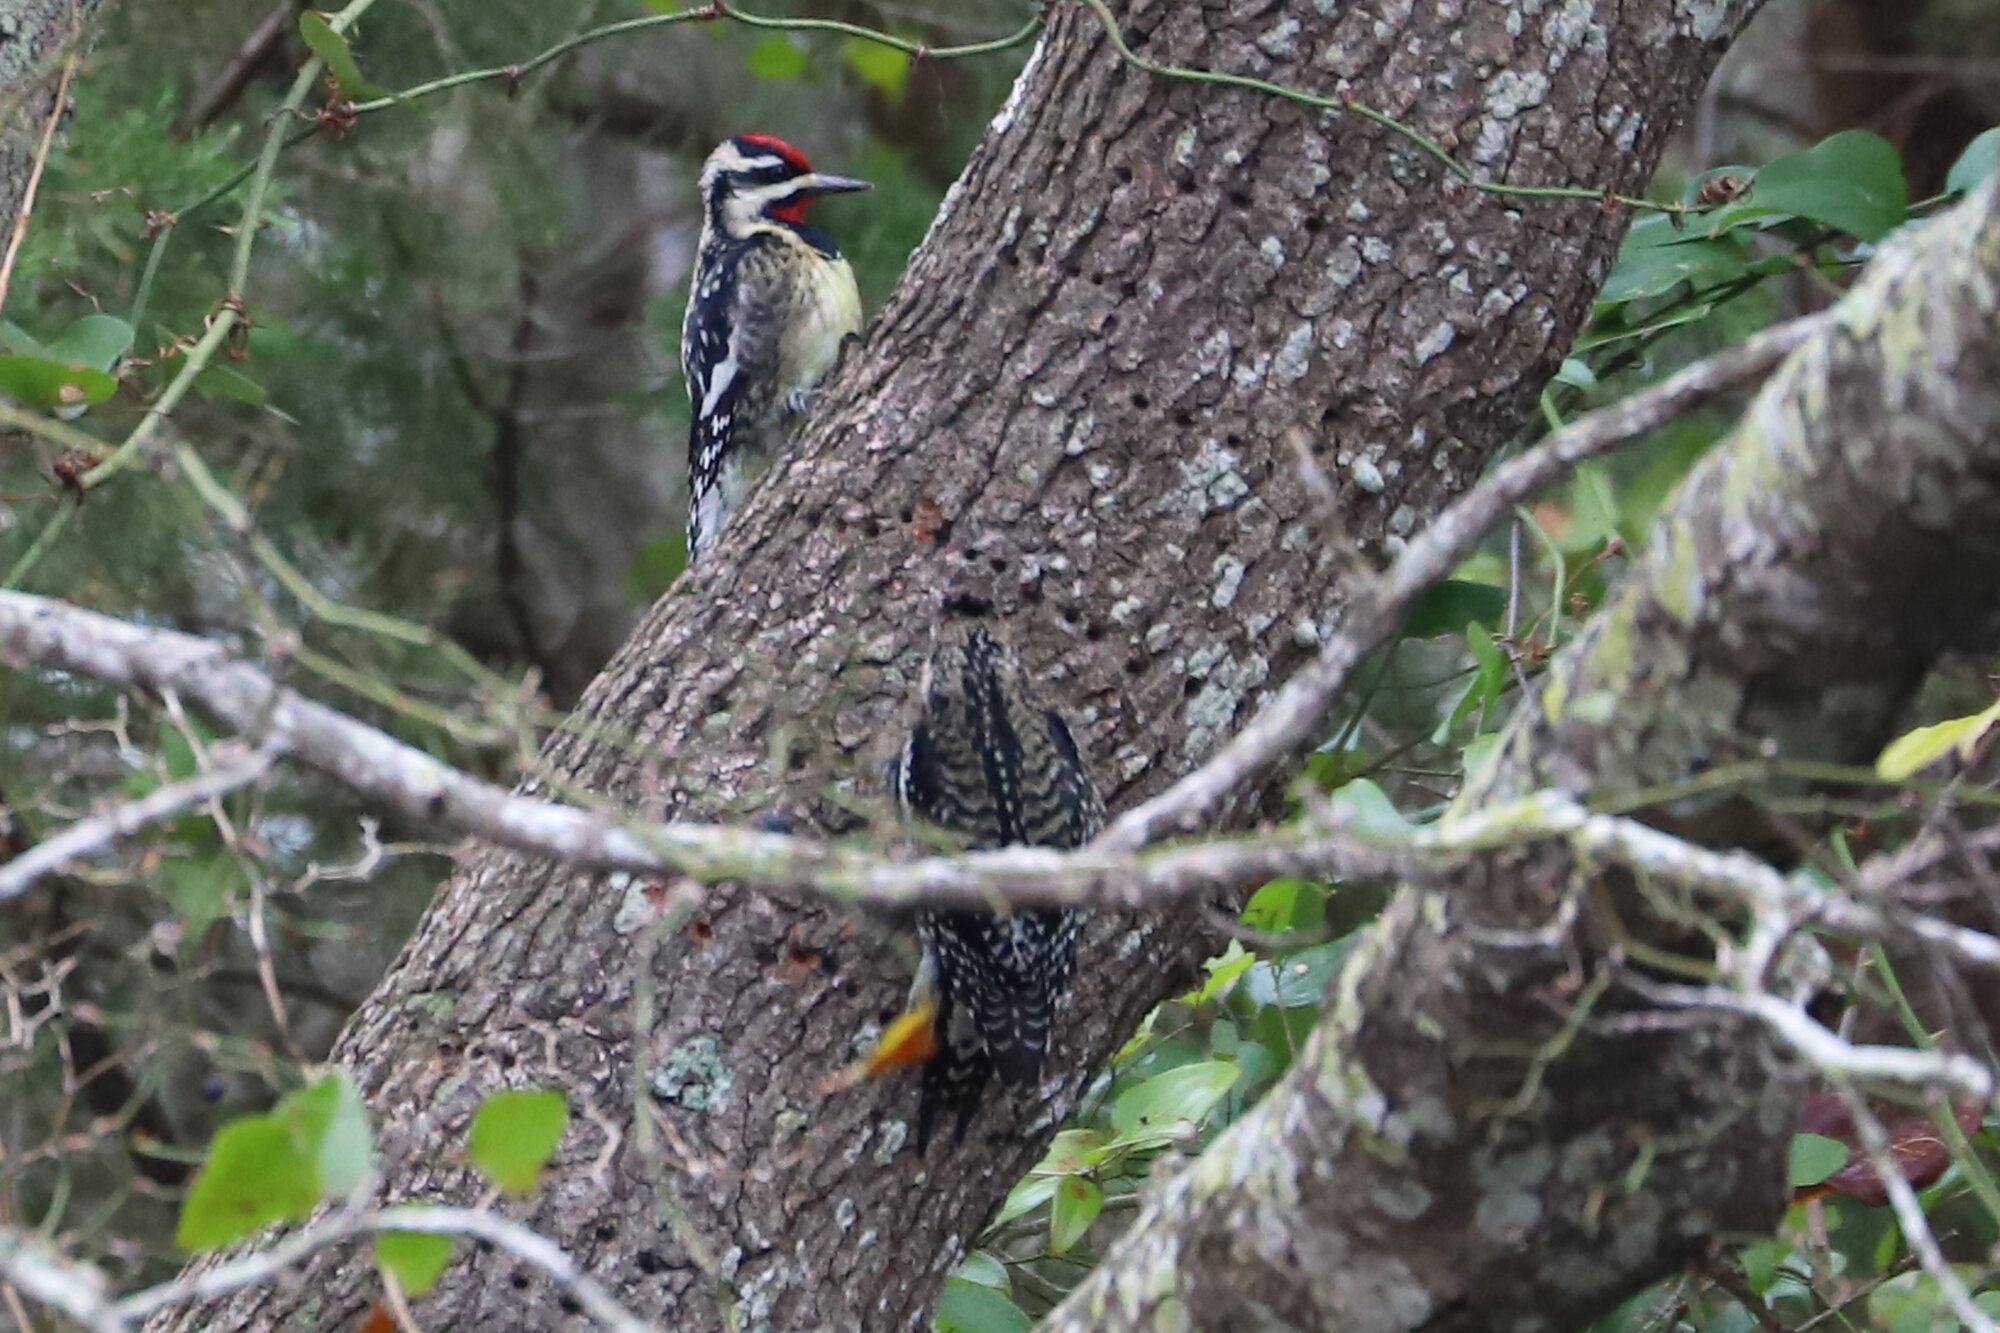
(719, 379)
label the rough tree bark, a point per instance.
(31, 33)
(1416, 1169)
(1082, 398)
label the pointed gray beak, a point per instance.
(818, 183)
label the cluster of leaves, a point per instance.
(316, 1146)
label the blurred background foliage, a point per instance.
(459, 405)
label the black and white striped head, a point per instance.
(754, 180)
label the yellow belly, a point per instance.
(826, 307)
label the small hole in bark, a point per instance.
(1009, 258)
(568, 1305)
(1184, 420)
(1141, 401)
(870, 529)
(1069, 615)
(648, 1262)
(1123, 175)
(998, 564)
(905, 514)
(519, 1281)
(605, 1233)
(1130, 291)
(1315, 225)
(1093, 634)
(1239, 199)
(1097, 279)
(1135, 665)
(1071, 267)
(1190, 687)
(1233, 439)
(1110, 323)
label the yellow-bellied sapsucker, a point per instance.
(988, 761)
(771, 301)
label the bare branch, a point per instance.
(80, 1290)
(88, 835)
(48, 633)
(1829, 1054)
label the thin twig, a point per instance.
(122, 821)
(20, 232)
(1909, 1212)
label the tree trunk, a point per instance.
(1451, 1150)
(31, 33)
(1082, 402)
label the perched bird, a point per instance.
(989, 762)
(772, 300)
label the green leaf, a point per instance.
(1078, 1201)
(331, 47)
(16, 339)
(1027, 1196)
(983, 1268)
(514, 1135)
(1577, 375)
(38, 382)
(1852, 181)
(968, 1307)
(1759, 1260)
(1490, 678)
(1165, 1103)
(1072, 1151)
(1593, 510)
(1259, 1066)
(1644, 495)
(1363, 807)
(1913, 1302)
(416, 1258)
(1284, 905)
(1975, 164)
(1919, 749)
(1444, 608)
(199, 887)
(1654, 265)
(96, 341)
(255, 1174)
(1814, 1158)
(330, 1124)
(777, 57)
(1298, 980)
(223, 382)
(883, 68)
(177, 753)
